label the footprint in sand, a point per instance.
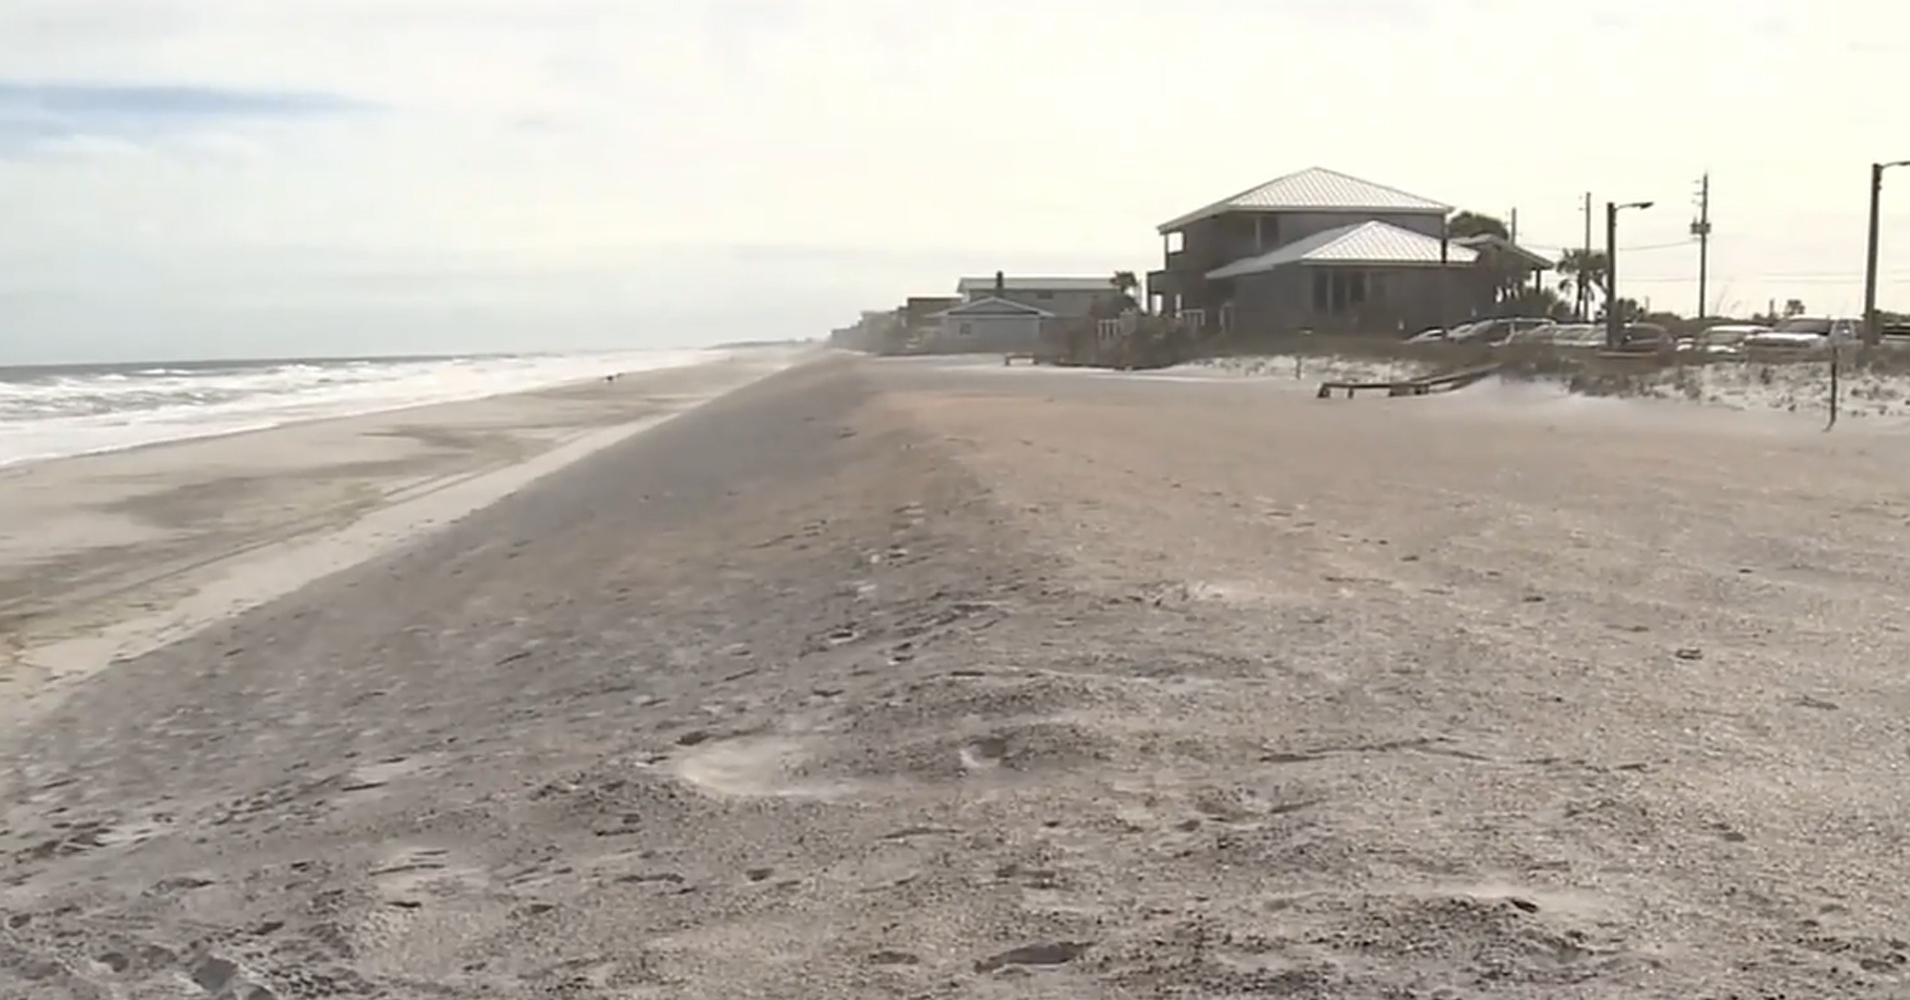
(375, 776)
(754, 768)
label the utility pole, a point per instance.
(1702, 230)
(1873, 330)
(1584, 303)
(1614, 323)
(1870, 257)
(1614, 326)
(1512, 236)
(1445, 243)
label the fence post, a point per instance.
(1835, 351)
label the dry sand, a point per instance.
(916, 679)
(1799, 385)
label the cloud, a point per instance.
(661, 167)
(66, 115)
(116, 101)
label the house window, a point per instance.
(966, 329)
(1176, 241)
(1266, 231)
(1336, 291)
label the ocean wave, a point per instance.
(71, 411)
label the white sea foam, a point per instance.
(53, 412)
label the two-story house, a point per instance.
(1062, 298)
(1319, 250)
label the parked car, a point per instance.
(1496, 330)
(1502, 329)
(1577, 335)
(1722, 339)
(1804, 332)
(1643, 337)
(1560, 334)
(1463, 333)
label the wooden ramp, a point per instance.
(1423, 385)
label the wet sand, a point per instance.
(909, 678)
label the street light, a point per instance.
(1872, 331)
(1614, 324)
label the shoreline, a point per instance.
(713, 356)
(109, 613)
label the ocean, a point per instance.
(54, 411)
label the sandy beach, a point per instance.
(913, 678)
(121, 552)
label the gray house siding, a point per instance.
(991, 324)
(1210, 243)
(1300, 225)
(1065, 304)
(986, 334)
(1064, 297)
(1337, 299)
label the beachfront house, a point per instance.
(991, 322)
(1324, 251)
(1063, 298)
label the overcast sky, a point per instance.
(191, 178)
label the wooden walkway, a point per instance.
(1423, 385)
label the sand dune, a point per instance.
(905, 678)
(1798, 386)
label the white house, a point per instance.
(990, 325)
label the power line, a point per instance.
(1822, 277)
(1636, 249)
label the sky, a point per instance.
(246, 178)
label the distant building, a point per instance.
(919, 312)
(878, 331)
(1065, 298)
(1321, 250)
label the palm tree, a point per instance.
(1583, 273)
(1509, 270)
(1129, 286)
(1531, 301)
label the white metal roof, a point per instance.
(1375, 243)
(1315, 189)
(992, 306)
(967, 285)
